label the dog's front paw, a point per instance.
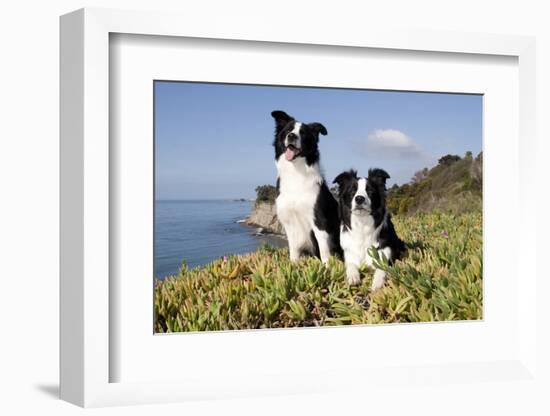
(378, 280)
(294, 256)
(353, 277)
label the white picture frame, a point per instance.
(86, 355)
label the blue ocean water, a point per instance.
(199, 232)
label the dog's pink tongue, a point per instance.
(290, 153)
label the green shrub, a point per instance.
(448, 159)
(266, 193)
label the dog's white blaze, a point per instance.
(361, 191)
(296, 131)
(299, 186)
(361, 187)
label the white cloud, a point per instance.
(389, 137)
(391, 143)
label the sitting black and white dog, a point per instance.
(305, 206)
(366, 223)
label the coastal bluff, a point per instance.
(264, 215)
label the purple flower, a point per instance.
(225, 259)
(445, 234)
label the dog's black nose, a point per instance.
(359, 199)
(291, 137)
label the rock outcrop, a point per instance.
(264, 215)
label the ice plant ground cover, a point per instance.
(439, 279)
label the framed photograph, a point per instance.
(241, 243)
(291, 208)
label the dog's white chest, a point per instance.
(299, 186)
(362, 236)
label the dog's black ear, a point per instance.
(281, 119)
(318, 128)
(344, 178)
(378, 176)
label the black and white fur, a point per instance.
(366, 223)
(305, 206)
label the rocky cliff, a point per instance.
(264, 215)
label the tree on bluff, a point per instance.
(266, 193)
(448, 160)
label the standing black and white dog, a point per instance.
(305, 206)
(366, 223)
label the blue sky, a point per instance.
(214, 141)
